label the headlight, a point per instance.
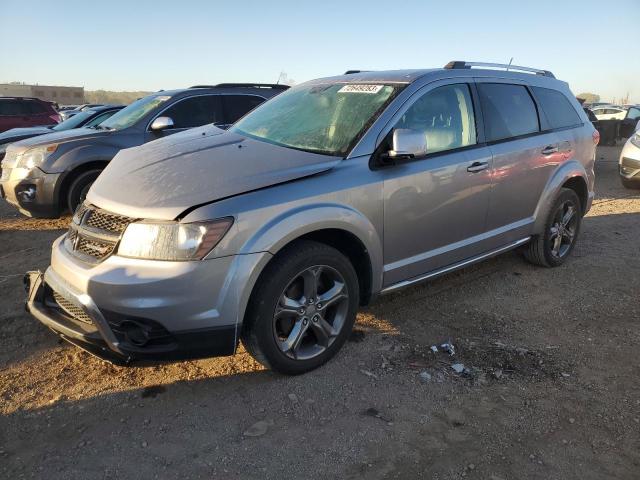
(172, 241)
(35, 156)
(635, 139)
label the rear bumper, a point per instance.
(35, 196)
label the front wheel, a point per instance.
(302, 309)
(80, 187)
(552, 247)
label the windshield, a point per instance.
(73, 122)
(326, 118)
(134, 112)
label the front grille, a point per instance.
(107, 221)
(73, 310)
(94, 233)
(93, 248)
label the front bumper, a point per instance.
(125, 310)
(630, 162)
(35, 195)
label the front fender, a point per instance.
(275, 234)
(565, 172)
(81, 155)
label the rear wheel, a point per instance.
(553, 246)
(79, 188)
(303, 308)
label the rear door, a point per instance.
(524, 156)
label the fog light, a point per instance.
(134, 333)
(27, 193)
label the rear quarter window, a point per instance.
(509, 111)
(559, 111)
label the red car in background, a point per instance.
(26, 112)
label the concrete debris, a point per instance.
(449, 348)
(425, 376)
(458, 367)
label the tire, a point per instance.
(631, 184)
(279, 306)
(79, 188)
(543, 249)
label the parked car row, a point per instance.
(50, 174)
(274, 231)
(88, 118)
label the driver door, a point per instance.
(435, 207)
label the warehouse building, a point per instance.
(60, 95)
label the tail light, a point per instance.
(596, 137)
(56, 118)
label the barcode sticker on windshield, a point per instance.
(355, 88)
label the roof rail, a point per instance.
(350, 72)
(455, 65)
(275, 86)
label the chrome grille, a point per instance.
(94, 233)
(73, 310)
(93, 248)
(107, 221)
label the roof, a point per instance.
(451, 70)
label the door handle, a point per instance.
(477, 167)
(548, 150)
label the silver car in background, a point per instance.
(275, 231)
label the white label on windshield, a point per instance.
(355, 88)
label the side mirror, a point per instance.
(161, 123)
(408, 143)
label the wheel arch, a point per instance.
(345, 229)
(68, 179)
(570, 175)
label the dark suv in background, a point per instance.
(18, 112)
(44, 176)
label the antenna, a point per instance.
(509, 64)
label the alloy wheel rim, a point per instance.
(562, 232)
(311, 312)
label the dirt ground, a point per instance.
(552, 389)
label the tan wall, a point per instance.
(60, 95)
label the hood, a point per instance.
(161, 179)
(63, 137)
(16, 134)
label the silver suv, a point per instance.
(275, 231)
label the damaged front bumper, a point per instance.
(118, 339)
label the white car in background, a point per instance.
(608, 112)
(630, 161)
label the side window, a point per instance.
(99, 119)
(508, 110)
(445, 115)
(12, 107)
(633, 113)
(195, 111)
(559, 111)
(235, 106)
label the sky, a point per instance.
(151, 45)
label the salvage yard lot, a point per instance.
(553, 389)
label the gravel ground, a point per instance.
(552, 389)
